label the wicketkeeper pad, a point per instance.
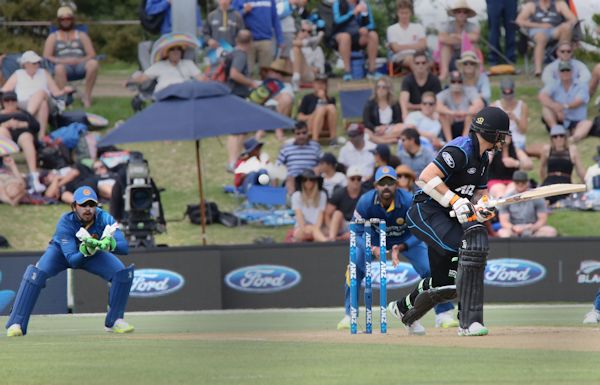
(34, 280)
(120, 284)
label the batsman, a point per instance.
(85, 238)
(448, 214)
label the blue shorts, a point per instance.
(546, 31)
(75, 72)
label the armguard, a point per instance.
(428, 188)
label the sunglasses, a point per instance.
(88, 204)
(306, 30)
(565, 51)
(386, 182)
(428, 103)
(461, 11)
(420, 63)
(355, 178)
(301, 133)
(407, 176)
(469, 63)
(456, 81)
(565, 70)
(559, 136)
(9, 100)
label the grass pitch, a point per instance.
(527, 345)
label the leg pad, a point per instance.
(470, 274)
(34, 280)
(120, 285)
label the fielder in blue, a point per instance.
(85, 238)
(388, 202)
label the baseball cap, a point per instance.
(558, 130)
(355, 130)
(64, 12)
(84, 194)
(520, 176)
(385, 172)
(353, 170)
(564, 65)
(328, 158)
(30, 57)
(9, 95)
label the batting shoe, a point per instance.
(446, 320)
(593, 317)
(344, 324)
(415, 328)
(476, 329)
(120, 327)
(14, 331)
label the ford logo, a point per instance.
(155, 283)
(510, 272)
(263, 278)
(402, 275)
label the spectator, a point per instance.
(319, 112)
(252, 152)
(517, 111)
(415, 84)
(222, 25)
(469, 67)
(12, 185)
(61, 184)
(33, 86)
(564, 53)
(354, 29)
(502, 13)
(524, 219)
(382, 116)
(383, 157)
(406, 178)
(564, 102)
(73, 54)
(332, 178)
(299, 155)
(412, 153)
(595, 80)
(308, 202)
(592, 174)
(456, 105)
(283, 101)
(22, 128)
(285, 12)
(260, 17)
(405, 38)
(156, 7)
(450, 35)
(307, 56)
(357, 151)
(427, 121)
(503, 165)
(106, 179)
(341, 205)
(558, 159)
(586, 128)
(546, 20)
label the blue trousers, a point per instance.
(502, 13)
(102, 264)
(416, 255)
(597, 301)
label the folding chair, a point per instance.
(353, 97)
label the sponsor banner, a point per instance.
(589, 272)
(263, 278)
(403, 275)
(511, 272)
(155, 283)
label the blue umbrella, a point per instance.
(191, 111)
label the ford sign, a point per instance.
(508, 272)
(263, 278)
(155, 283)
(402, 275)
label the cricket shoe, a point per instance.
(344, 324)
(446, 320)
(593, 317)
(120, 327)
(415, 328)
(14, 331)
(476, 329)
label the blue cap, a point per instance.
(84, 194)
(385, 172)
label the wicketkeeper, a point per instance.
(85, 238)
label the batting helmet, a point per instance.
(492, 124)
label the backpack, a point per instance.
(151, 23)
(220, 73)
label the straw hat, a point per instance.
(405, 170)
(279, 65)
(467, 57)
(461, 4)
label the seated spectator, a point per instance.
(426, 121)
(558, 159)
(517, 111)
(106, 179)
(319, 112)
(283, 101)
(565, 102)
(456, 106)
(564, 53)
(354, 29)
(299, 155)
(73, 54)
(332, 178)
(450, 35)
(340, 207)
(412, 153)
(415, 84)
(61, 184)
(546, 20)
(503, 165)
(156, 7)
(243, 181)
(469, 67)
(22, 128)
(524, 219)
(357, 151)
(222, 25)
(382, 116)
(12, 185)
(307, 56)
(406, 178)
(308, 202)
(384, 157)
(34, 86)
(592, 174)
(586, 128)
(405, 38)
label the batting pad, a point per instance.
(34, 280)
(120, 284)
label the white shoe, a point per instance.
(415, 328)
(446, 320)
(593, 317)
(476, 329)
(14, 331)
(34, 181)
(120, 327)
(344, 324)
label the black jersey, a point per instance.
(464, 169)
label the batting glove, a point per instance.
(464, 210)
(483, 211)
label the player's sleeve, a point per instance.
(451, 159)
(69, 244)
(361, 212)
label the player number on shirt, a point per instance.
(467, 189)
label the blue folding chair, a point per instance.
(353, 97)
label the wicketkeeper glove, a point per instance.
(483, 211)
(107, 243)
(88, 247)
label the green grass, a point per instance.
(176, 349)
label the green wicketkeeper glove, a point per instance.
(107, 243)
(89, 247)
